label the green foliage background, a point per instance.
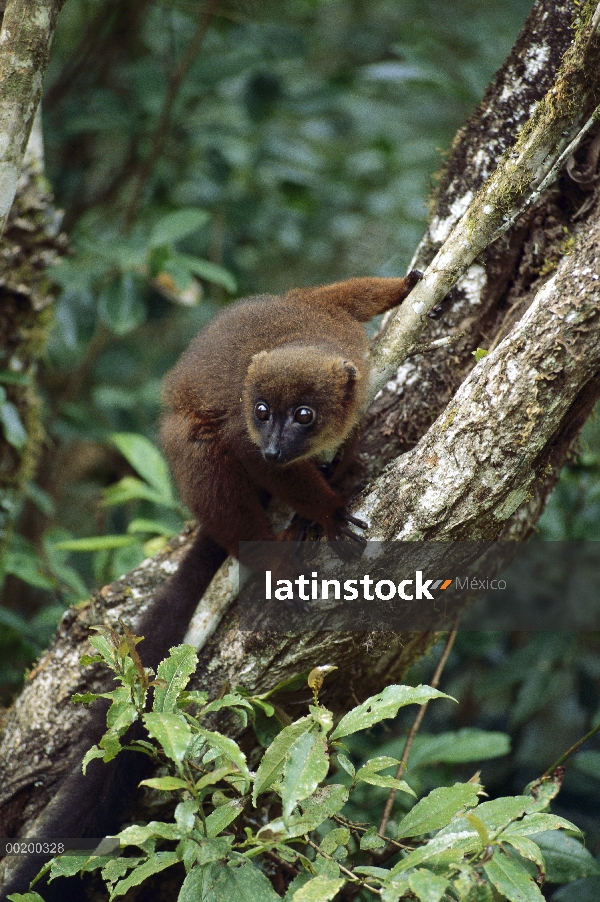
(302, 144)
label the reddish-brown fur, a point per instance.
(307, 347)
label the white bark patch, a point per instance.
(473, 283)
(9, 177)
(536, 59)
(441, 228)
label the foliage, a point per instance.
(231, 824)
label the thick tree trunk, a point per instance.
(485, 442)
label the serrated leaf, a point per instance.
(371, 840)
(383, 705)
(172, 731)
(306, 766)
(241, 881)
(175, 671)
(271, 765)
(25, 897)
(228, 748)
(527, 849)
(566, 859)
(69, 865)
(511, 879)
(154, 865)
(387, 783)
(339, 836)
(230, 700)
(166, 784)
(539, 822)
(222, 816)
(374, 765)
(177, 225)
(438, 808)
(426, 886)
(139, 835)
(92, 753)
(327, 800)
(459, 839)
(146, 460)
(319, 889)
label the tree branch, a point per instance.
(25, 38)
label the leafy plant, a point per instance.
(229, 820)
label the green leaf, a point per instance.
(527, 849)
(166, 784)
(24, 897)
(129, 488)
(438, 808)
(208, 271)
(228, 748)
(241, 881)
(120, 305)
(385, 704)
(158, 862)
(319, 889)
(539, 822)
(92, 753)
(371, 840)
(345, 762)
(511, 879)
(222, 816)
(588, 763)
(175, 671)
(271, 765)
(177, 225)
(458, 746)
(479, 354)
(426, 886)
(587, 890)
(336, 838)
(327, 800)
(14, 431)
(306, 766)
(69, 865)
(172, 731)
(137, 835)
(96, 543)
(151, 527)
(146, 460)
(387, 783)
(230, 700)
(566, 859)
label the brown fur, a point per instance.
(305, 348)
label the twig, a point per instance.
(160, 132)
(415, 728)
(344, 870)
(551, 174)
(284, 865)
(571, 751)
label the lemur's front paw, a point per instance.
(347, 544)
(414, 276)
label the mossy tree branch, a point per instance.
(27, 31)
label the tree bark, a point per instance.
(485, 441)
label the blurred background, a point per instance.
(201, 158)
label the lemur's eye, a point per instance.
(261, 410)
(304, 415)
